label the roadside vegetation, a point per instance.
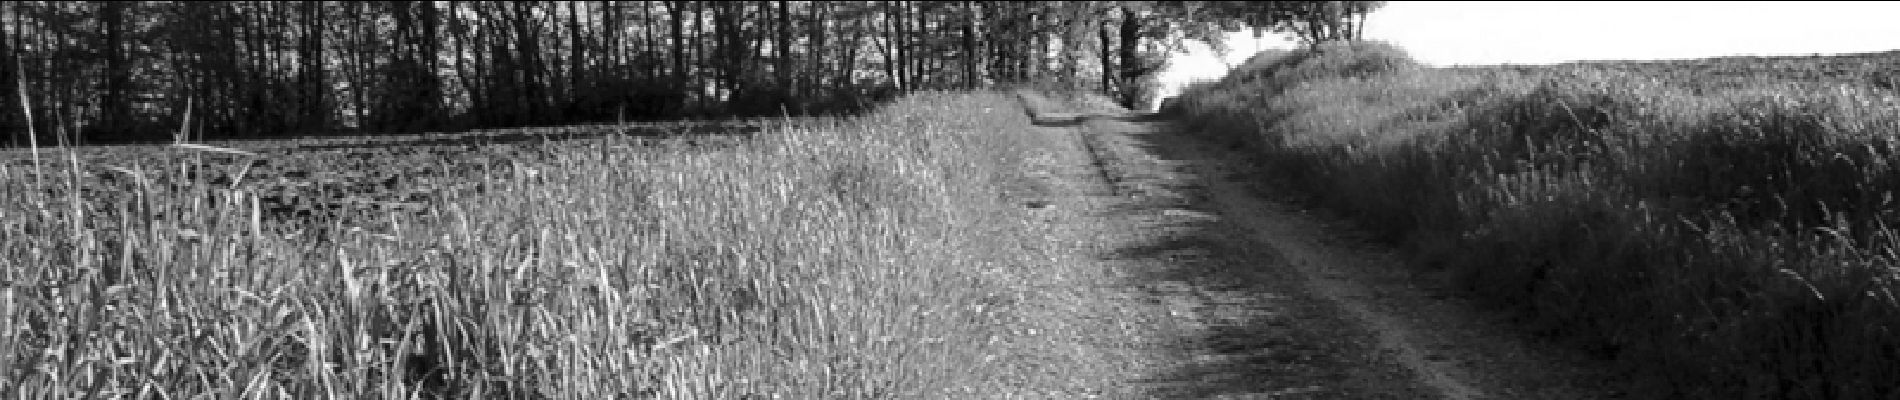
(1722, 227)
(822, 258)
(222, 252)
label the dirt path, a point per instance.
(1166, 279)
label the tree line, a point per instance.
(107, 71)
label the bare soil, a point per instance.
(1171, 275)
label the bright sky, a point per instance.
(1543, 32)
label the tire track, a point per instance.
(1267, 301)
(1151, 296)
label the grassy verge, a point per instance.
(829, 259)
(1729, 240)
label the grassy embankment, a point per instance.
(1729, 237)
(830, 259)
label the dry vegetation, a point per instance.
(821, 259)
(1721, 226)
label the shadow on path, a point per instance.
(1062, 120)
(1257, 334)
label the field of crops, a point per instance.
(816, 258)
(1880, 69)
(1722, 226)
(323, 179)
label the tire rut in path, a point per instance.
(1449, 344)
(1317, 266)
(1149, 295)
(1185, 285)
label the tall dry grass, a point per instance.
(1729, 243)
(835, 259)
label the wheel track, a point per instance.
(1429, 349)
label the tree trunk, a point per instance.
(1036, 61)
(576, 63)
(430, 55)
(701, 57)
(901, 43)
(312, 93)
(677, 22)
(848, 74)
(252, 84)
(731, 45)
(649, 47)
(359, 75)
(815, 53)
(113, 107)
(1359, 26)
(889, 47)
(604, 66)
(783, 68)
(1108, 59)
(916, 46)
(477, 104)
(971, 56)
(1130, 57)
(9, 73)
(528, 66)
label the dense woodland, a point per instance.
(112, 71)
